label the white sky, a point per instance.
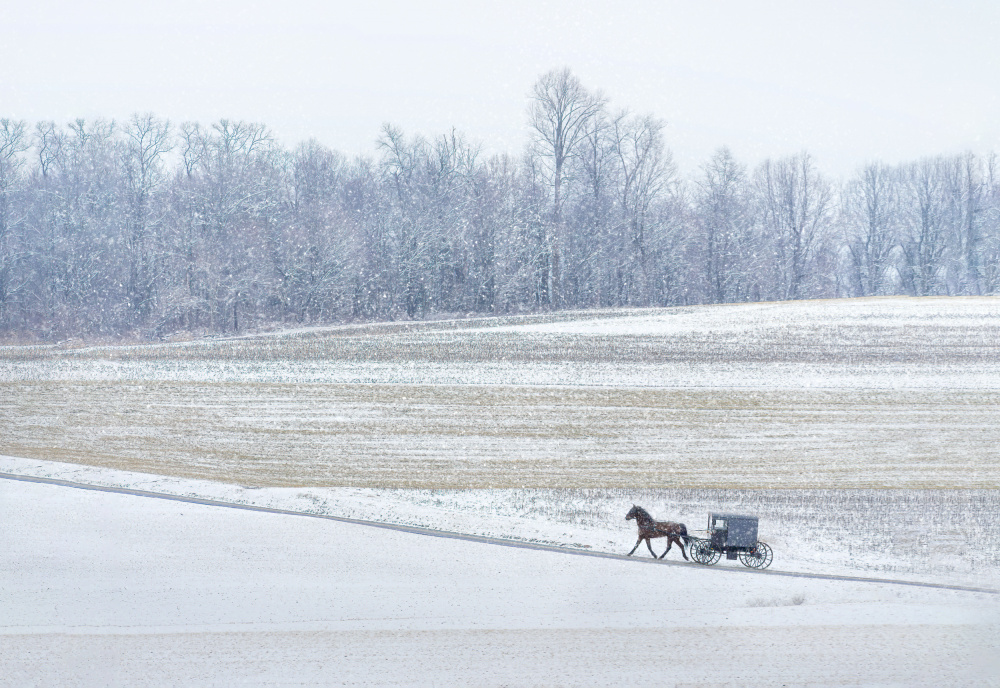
(849, 81)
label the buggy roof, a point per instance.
(730, 517)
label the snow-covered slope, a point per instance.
(112, 590)
(863, 393)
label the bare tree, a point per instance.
(225, 208)
(596, 240)
(923, 231)
(48, 143)
(430, 186)
(13, 142)
(970, 192)
(76, 230)
(794, 207)
(193, 144)
(726, 232)
(559, 113)
(314, 251)
(871, 211)
(409, 254)
(147, 139)
(990, 227)
(498, 270)
(645, 167)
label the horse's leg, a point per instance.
(669, 541)
(649, 543)
(680, 543)
(636, 546)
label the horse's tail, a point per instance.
(684, 534)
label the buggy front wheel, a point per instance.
(701, 551)
(757, 558)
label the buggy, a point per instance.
(735, 536)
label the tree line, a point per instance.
(143, 228)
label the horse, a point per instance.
(650, 528)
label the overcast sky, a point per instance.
(849, 81)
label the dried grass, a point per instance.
(267, 434)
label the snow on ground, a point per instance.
(858, 393)
(106, 589)
(619, 374)
(746, 318)
(102, 589)
(949, 537)
(874, 343)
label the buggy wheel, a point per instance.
(701, 551)
(757, 558)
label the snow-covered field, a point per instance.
(820, 417)
(867, 393)
(947, 537)
(114, 590)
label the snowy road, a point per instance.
(112, 589)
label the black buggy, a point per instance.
(732, 535)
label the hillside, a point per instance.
(900, 393)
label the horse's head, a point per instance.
(632, 513)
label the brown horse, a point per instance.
(650, 528)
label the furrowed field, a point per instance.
(873, 393)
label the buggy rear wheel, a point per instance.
(701, 551)
(757, 558)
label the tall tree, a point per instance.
(923, 232)
(559, 113)
(147, 139)
(726, 233)
(990, 227)
(871, 212)
(314, 251)
(231, 188)
(597, 237)
(794, 208)
(13, 142)
(645, 168)
(77, 237)
(969, 192)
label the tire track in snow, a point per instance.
(417, 530)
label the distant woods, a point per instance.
(145, 228)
